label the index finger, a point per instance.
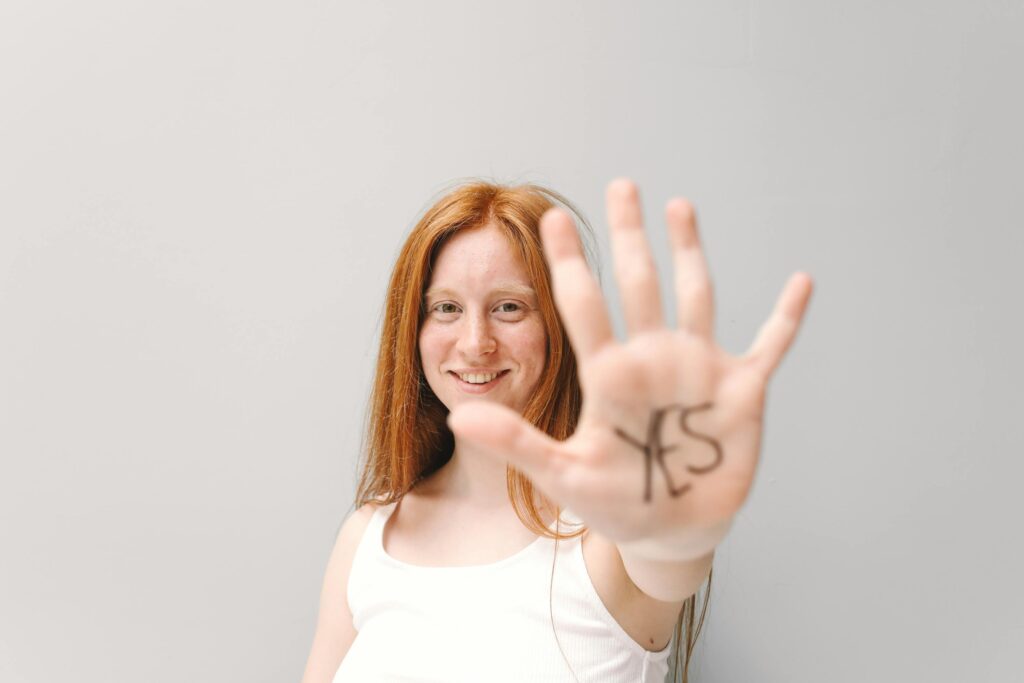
(577, 294)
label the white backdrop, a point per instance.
(200, 203)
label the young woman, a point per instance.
(539, 500)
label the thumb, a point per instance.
(503, 434)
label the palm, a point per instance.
(668, 437)
(669, 434)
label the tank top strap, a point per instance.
(380, 518)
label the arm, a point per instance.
(672, 568)
(667, 580)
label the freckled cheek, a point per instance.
(530, 344)
(433, 347)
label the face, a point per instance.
(483, 337)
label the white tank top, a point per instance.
(486, 622)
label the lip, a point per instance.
(477, 371)
(478, 388)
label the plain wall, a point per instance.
(200, 203)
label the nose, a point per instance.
(475, 338)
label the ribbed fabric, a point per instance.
(486, 622)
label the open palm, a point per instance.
(667, 444)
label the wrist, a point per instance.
(679, 545)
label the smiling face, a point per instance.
(483, 336)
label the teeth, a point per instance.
(479, 379)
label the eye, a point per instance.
(512, 310)
(444, 311)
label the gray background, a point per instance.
(201, 203)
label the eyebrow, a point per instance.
(518, 290)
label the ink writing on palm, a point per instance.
(654, 450)
(666, 405)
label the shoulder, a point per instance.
(349, 535)
(340, 561)
(648, 621)
(354, 526)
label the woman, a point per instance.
(503, 410)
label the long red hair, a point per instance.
(406, 436)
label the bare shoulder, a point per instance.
(334, 629)
(648, 621)
(352, 529)
(349, 535)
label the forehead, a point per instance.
(478, 260)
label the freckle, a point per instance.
(652, 641)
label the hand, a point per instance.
(667, 444)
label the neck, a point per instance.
(475, 479)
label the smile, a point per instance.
(473, 388)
